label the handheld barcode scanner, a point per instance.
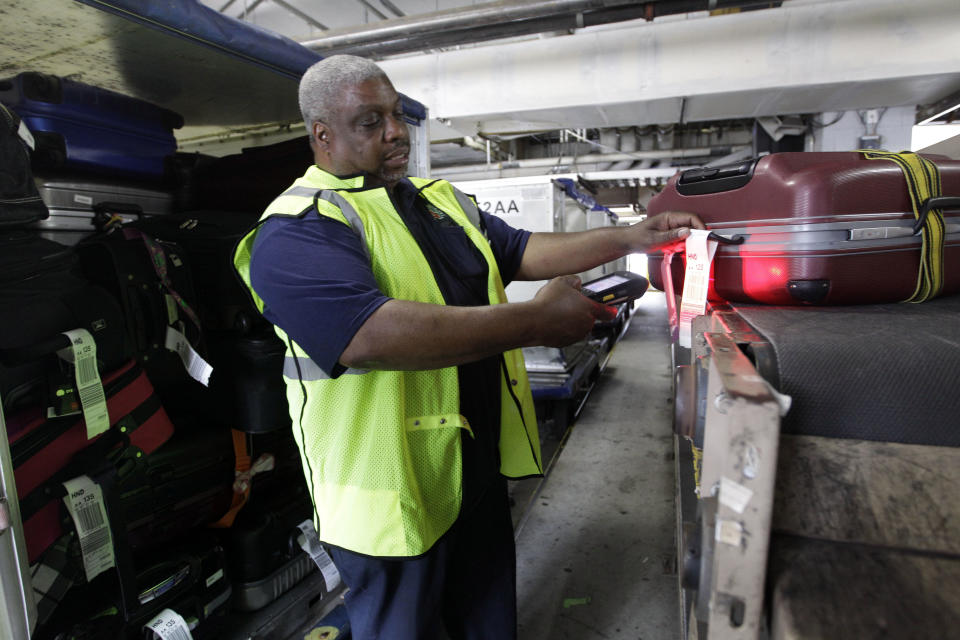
(616, 287)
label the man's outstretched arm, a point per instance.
(404, 335)
(552, 254)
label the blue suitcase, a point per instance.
(84, 128)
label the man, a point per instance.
(405, 379)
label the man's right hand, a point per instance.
(565, 315)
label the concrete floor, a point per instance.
(596, 550)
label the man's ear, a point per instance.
(321, 135)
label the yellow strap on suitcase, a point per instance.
(923, 183)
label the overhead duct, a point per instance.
(590, 158)
(608, 140)
(495, 20)
(628, 145)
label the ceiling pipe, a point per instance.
(491, 13)
(589, 159)
(499, 20)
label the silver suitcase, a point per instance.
(72, 204)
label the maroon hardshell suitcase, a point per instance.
(816, 227)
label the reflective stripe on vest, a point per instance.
(307, 370)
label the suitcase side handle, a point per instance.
(734, 239)
(16, 356)
(103, 212)
(939, 202)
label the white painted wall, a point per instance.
(895, 128)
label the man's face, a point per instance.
(366, 133)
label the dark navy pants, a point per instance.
(465, 584)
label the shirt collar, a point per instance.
(354, 181)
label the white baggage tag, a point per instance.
(696, 281)
(173, 314)
(197, 367)
(27, 137)
(83, 353)
(169, 625)
(84, 502)
(310, 543)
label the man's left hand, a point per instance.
(663, 230)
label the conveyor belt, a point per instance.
(872, 372)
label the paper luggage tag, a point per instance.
(696, 281)
(26, 136)
(82, 352)
(169, 625)
(197, 367)
(310, 543)
(84, 502)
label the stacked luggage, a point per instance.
(156, 470)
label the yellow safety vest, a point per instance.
(381, 450)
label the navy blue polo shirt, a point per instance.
(317, 285)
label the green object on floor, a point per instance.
(573, 602)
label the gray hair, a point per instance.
(324, 81)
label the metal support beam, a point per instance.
(248, 9)
(300, 14)
(373, 9)
(392, 7)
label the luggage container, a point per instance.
(538, 204)
(817, 228)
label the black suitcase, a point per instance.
(20, 203)
(247, 181)
(188, 577)
(42, 294)
(208, 238)
(247, 386)
(153, 281)
(185, 484)
(263, 555)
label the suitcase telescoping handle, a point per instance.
(939, 202)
